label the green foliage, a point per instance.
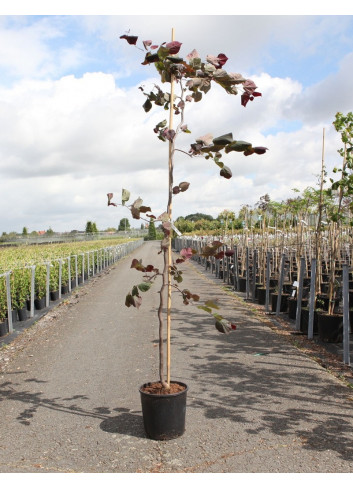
(152, 234)
(198, 216)
(124, 224)
(91, 228)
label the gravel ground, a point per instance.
(256, 402)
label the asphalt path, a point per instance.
(70, 401)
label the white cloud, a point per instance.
(68, 140)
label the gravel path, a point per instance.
(70, 402)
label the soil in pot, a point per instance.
(163, 413)
(330, 327)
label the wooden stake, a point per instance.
(169, 210)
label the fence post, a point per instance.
(9, 305)
(47, 285)
(247, 274)
(69, 271)
(300, 294)
(312, 299)
(268, 272)
(346, 325)
(60, 277)
(33, 271)
(280, 285)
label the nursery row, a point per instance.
(315, 294)
(47, 273)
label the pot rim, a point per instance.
(164, 395)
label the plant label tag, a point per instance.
(176, 230)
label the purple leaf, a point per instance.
(260, 150)
(110, 196)
(147, 44)
(222, 59)
(130, 39)
(174, 47)
(226, 172)
(186, 253)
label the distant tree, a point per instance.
(184, 225)
(49, 232)
(91, 228)
(24, 231)
(198, 216)
(152, 234)
(124, 224)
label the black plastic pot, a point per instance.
(39, 303)
(22, 314)
(164, 414)
(330, 327)
(261, 295)
(4, 329)
(292, 306)
(304, 321)
(284, 299)
(242, 284)
(64, 289)
(54, 295)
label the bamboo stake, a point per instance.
(169, 210)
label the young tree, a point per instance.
(152, 234)
(124, 224)
(193, 78)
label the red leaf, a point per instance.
(174, 47)
(260, 150)
(233, 326)
(147, 44)
(245, 97)
(226, 172)
(130, 39)
(110, 196)
(186, 253)
(249, 86)
(222, 59)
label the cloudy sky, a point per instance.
(73, 128)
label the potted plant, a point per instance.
(3, 308)
(40, 286)
(164, 400)
(20, 287)
(330, 324)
